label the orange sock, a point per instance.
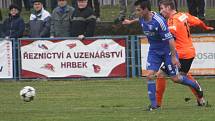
(193, 91)
(160, 88)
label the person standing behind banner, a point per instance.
(197, 8)
(123, 10)
(0, 15)
(94, 4)
(84, 20)
(61, 20)
(53, 4)
(0, 25)
(40, 21)
(13, 26)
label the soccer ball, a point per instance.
(27, 93)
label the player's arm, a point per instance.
(128, 21)
(194, 21)
(172, 26)
(167, 36)
(173, 53)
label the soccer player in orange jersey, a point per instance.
(179, 25)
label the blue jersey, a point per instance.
(158, 36)
(157, 33)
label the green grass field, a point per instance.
(101, 100)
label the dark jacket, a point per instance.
(13, 27)
(40, 24)
(61, 21)
(1, 26)
(94, 4)
(0, 15)
(84, 22)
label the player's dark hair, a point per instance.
(143, 4)
(170, 3)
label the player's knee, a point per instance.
(160, 74)
(150, 76)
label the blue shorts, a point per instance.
(155, 59)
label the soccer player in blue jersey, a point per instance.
(161, 50)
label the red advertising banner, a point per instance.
(73, 58)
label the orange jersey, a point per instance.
(179, 25)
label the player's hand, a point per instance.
(210, 28)
(127, 21)
(175, 62)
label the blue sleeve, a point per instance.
(164, 31)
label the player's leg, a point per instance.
(153, 64)
(185, 67)
(151, 88)
(161, 84)
(200, 100)
(178, 78)
(181, 79)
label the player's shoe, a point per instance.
(201, 102)
(199, 91)
(150, 108)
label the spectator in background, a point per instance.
(40, 20)
(26, 4)
(176, 5)
(43, 1)
(84, 20)
(0, 24)
(53, 4)
(0, 15)
(94, 4)
(61, 20)
(123, 10)
(74, 3)
(13, 26)
(197, 8)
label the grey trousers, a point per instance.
(123, 7)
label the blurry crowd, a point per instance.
(77, 19)
(195, 8)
